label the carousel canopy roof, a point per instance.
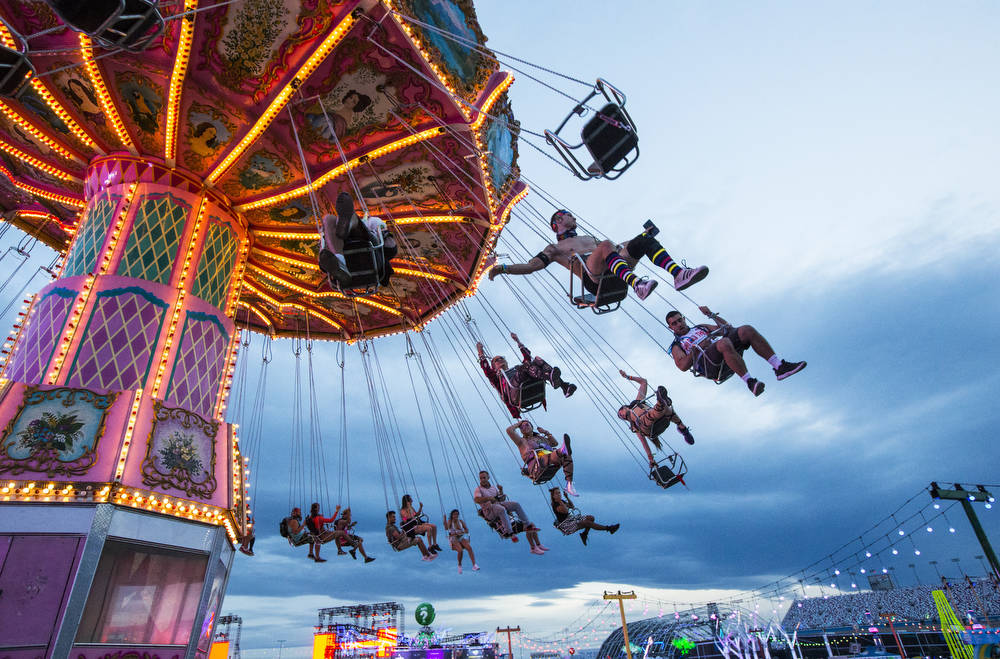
(275, 108)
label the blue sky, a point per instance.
(835, 166)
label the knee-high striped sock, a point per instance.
(619, 267)
(662, 259)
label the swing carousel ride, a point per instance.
(179, 157)
(245, 120)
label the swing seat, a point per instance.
(570, 525)
(15, 71)
(610, 136)
(128, 24)
(610, 289)
(307, 538)
(529, 396)
(516, 525)
(539, 474)
(365, 260)
(669, 471)
(703, 367)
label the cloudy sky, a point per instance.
(835, 165)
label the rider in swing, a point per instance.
(347, 226)
(641, 417)
(693, 346)
(604, 256)
(538, 449)
(530, 368)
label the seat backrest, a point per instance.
(659, 426)
(610, 289)
(664, 476)
(607, 142)
(365, 262)
(15, 70)
(531, 394)
(545, 474)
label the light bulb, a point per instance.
(930, 530)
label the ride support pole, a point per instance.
(621, 597)
(509, 630)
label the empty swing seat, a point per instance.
(529, 395)
(610, 289)
(610, 136)
(609, 139)
(669, 471)
(128, 24)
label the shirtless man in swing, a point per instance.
(604, 256)
(538, 449)
(641, 417)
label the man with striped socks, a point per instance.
(604, 256)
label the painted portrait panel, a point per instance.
(207, 132)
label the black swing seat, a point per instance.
(610, 289)
(669, 471)
(128, 24)
(516, 525)
(306, 539)
(539, 474)
(529, 395)
(610, 136)
(703, 367)
(15, 69)
(365, 261)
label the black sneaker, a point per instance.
(686, 434)
(555, 378)
(613, 528)
(369, 559)
(649, 228)
(755, 386)
(787, 369)
(345, 213)
(568, 389)
(662, 397)
(569, 449)
(335, 272)
(584, 535)
(354, 554)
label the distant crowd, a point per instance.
(914, 604)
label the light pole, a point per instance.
(967, 498)
(281, 646)
(621, 597)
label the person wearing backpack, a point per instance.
(295, 530)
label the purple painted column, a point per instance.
(114, 393)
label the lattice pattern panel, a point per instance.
(197, 373)
(117, 346)
(156, 233)
(87, 247)
(34, 350)
(216, 265)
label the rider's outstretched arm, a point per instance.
(643, 384)
(513, 433)
(538, 262)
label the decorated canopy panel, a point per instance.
(277, 106)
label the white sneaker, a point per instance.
(460, 569)
(542, 547)
(688, 277)
(570, 490)
(536, 550)
(475, 568)
(644, 288)
(429, 557)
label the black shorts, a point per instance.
(589, 284)
(712, 362)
